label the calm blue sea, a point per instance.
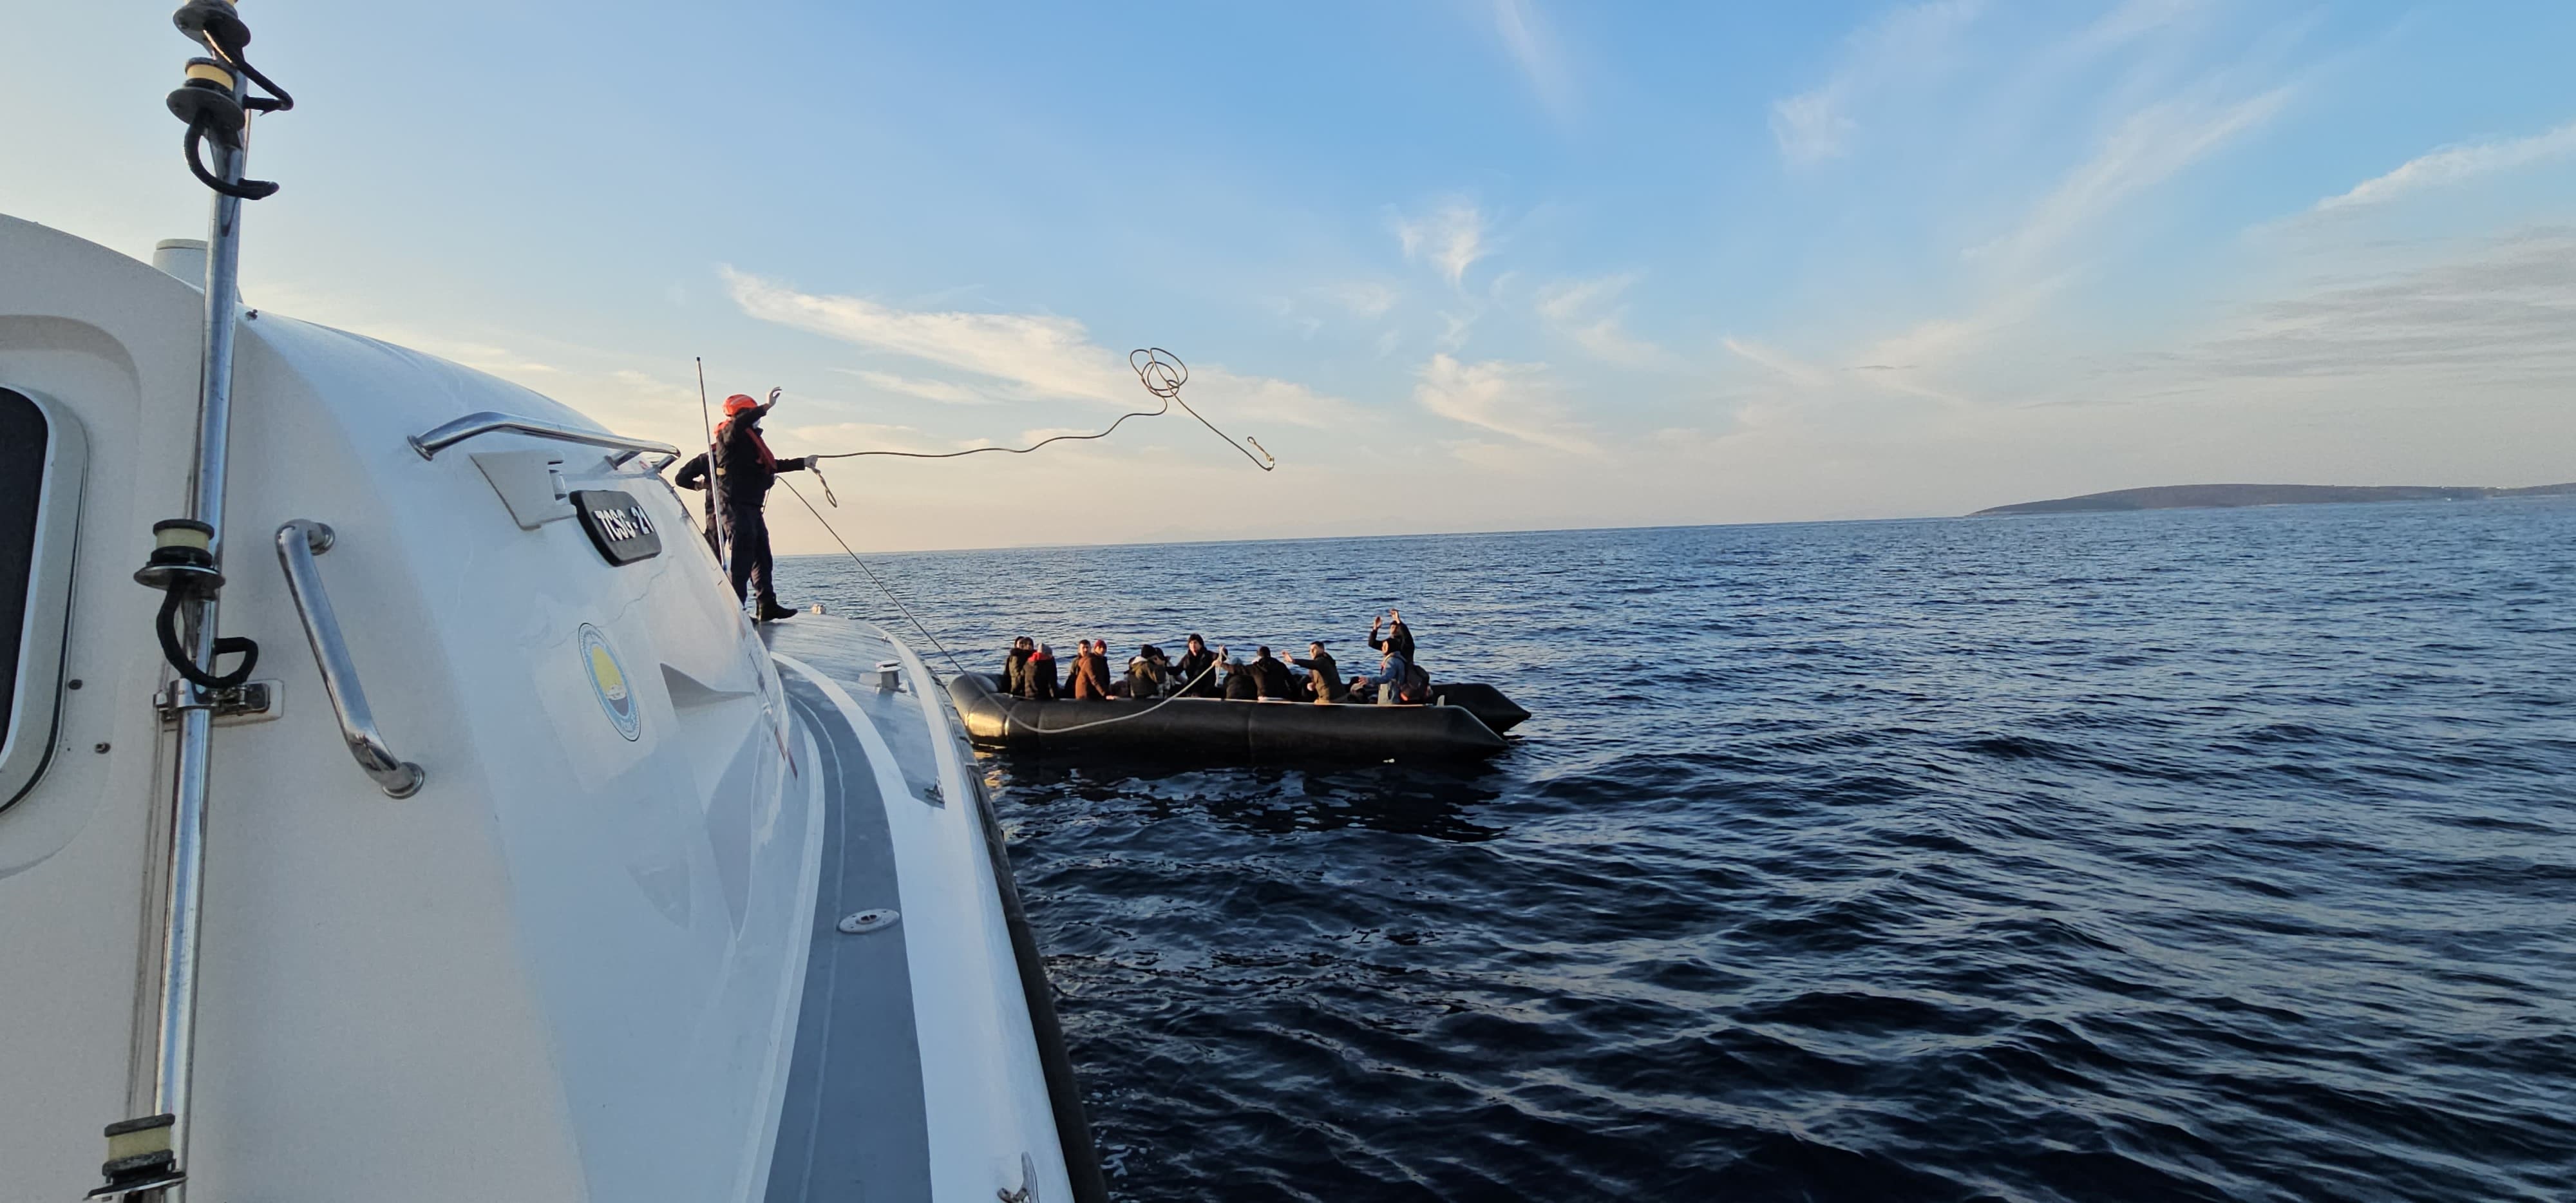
(2170, 855)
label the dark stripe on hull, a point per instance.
(853, 1126)
(1064, 1092)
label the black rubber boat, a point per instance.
(1463, 721)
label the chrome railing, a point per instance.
(430, 442)
(298, 542)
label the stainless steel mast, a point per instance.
(147, 1155)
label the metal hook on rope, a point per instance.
(1162, 373)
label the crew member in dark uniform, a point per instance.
(744, 470)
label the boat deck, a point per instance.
(853, 1124)
(927, 1052)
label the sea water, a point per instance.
(2163, 855)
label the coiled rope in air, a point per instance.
(1161, 372)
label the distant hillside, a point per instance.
(2194, 497)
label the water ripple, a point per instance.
(2180, 855)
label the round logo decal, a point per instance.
(608, 680)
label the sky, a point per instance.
(1459, 264)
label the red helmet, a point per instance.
(739, 402)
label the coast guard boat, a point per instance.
(396, 804)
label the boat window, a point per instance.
(42, 456)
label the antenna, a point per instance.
(715, 529)
(149, 1152)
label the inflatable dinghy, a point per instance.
(1463, 721)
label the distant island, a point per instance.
(2198, 497)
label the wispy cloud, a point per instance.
(1524, 32)
(1454, 327)
(1588, 311)
(1818, 381)
(1451, 238)
(860, 436)
(1902, 44)
(2133, 19)
(1028, 357)
(1512, 399)
(1363, 298)
(2455, 164)
(2500, 312)
(2149, 148)
(1806, 376)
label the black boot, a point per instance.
(771, 611)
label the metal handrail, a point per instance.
(298, 542)
(430, 442)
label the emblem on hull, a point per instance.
(608, 680)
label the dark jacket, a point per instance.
(1088, 679)
(739, 470)
(1270, 676)
(1328, 675)
(1037, 679)
(1013, 667)
(1145, 677)
(1188, 670)
(1239, 685)
(1398, 639)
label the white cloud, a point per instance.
(942, 391)
(2452, 165)
(1030, 356)
(1038, 356)
(1587, 311)
(1525, 33)
(1451, 238)
(1507, 398)
(1901, 44)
